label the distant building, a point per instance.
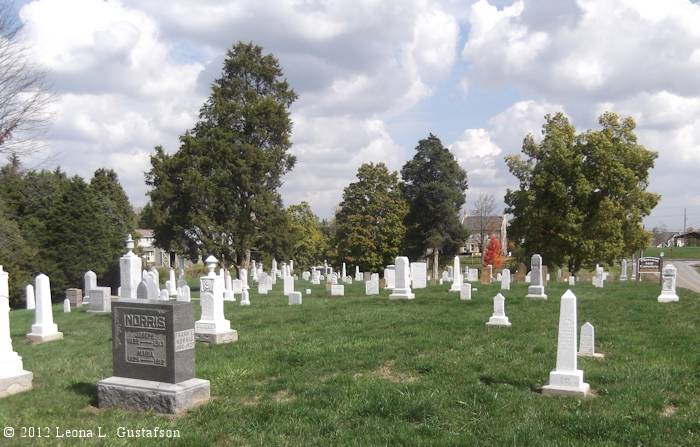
(488, 225)
(153, 256)
(689, 239)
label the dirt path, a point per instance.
(688, 277)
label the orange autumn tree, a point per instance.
(493, 253)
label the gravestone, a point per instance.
(465, 293)
(499, 312)
(419, 275)
(668, 285)
(634, 268)
(228, 286)
(390, 277)
(66, 306)
(372, 287)
(74, 297)
(153, 359)
(456, 276)
(262, 288)
(245, 298)
(100, 300)
(599, 279)
(587, 343)
(172, 283)
(294, 298)
(29, 297)
(184, 294)
(44, 329)
(142, 291)
(164, 295)
(13, 377)
(308, 291)
(572, 280)
(89, 282)
(358, 274)
(485, 275)
(536, 290)
(445, 277)
(288, 285)
(236, 287)
(472, 275)
(402, 289)
(505, 279)
(566, 378)
(152, 286)
(366, 276)
(244, 280)
(129, 271)
(623, 270)
(337, 290)
(212, 327)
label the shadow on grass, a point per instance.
(488, 381)
(86, 389)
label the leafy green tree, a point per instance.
(369, 221)
(145, 218)
(308, 242)
(434, 185)
(582, 197)
(220, 189)
(16, 257)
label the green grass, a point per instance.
(368, 371)
(674, 252)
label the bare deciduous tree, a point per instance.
(23, 92)
(484, 207)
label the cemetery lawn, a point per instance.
(367, 371)
(674, 252)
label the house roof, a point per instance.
(690, 234)
(473, 224)
(142, 232)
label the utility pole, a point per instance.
(684, 220)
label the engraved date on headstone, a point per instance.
(145, 348)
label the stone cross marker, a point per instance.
(44, 329)
(499, 312)
(536, 288)
(586, 347)
(566, 378)
(668, 285)
(505, 279)
(153, 358)
(13, 378)
(402, 291)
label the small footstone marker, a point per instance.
(566, 379)
(294, 298)
(153, 359)
(586, 347)
(499, 312)
(308, 291)
(66, 306)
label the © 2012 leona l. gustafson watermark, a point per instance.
(57, 432)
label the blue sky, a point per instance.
(373, 78)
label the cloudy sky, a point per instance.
(374, 77)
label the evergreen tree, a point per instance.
(434, 185)
(219, 192)
(369, 222)
(582, 197)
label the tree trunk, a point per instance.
(435, 266)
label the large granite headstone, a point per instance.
(153, 358)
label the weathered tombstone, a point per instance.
(228, 286)
(587, 343)
(244, 280)
(536, 289)
(499, 312)
(294, 298)
(152, 289)
(89, 282)
(485, 275)
(472, 275)
(74, 297)
(262, 288)
(212, 327)
(44, 329)
(172, 282)
(634, 268)
(668, 285)
(66, 306)
(390, 276)
(245, 298)
(456, 276)
(366, 276)
(288, 285)
(129, 271)
(142, 291)
(566, 378)
(153, 359)
(572, 280)
(445, 277)
(236, 287)
(505, 279)
(623, 270)
(419, 275)
(337, 290)
(465, 293)
(372, 287)
(598, 279)
(358, 274)
(184, 294)
(100, 300)
(13, 377)
(164, 295)
(29, 297)
(402, 289)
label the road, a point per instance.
(688, 277)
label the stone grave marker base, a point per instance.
(16, 384)
(218, 338)
(37, 339)
(147, 395)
